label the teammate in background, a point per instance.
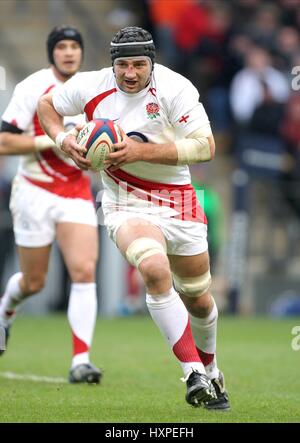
(150, 207)
(51, 199)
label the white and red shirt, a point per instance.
(168, 109)
(49, 169)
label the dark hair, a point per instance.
(62, 33)
(132, 41)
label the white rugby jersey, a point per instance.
(168, 109)
(50, 168)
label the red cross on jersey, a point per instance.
(184, 119)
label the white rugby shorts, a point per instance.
(182, 237)
(36, 212)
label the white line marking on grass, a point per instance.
(32, 377)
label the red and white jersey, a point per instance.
(168, 109)
(50, 168)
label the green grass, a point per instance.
(141, 376)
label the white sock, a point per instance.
(11, 298)
(82, 313)
(171, 317)
(205, 336)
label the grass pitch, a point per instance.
(141, 376)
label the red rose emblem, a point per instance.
(152, 108)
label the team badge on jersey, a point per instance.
(152, 110)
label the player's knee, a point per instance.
(83, 272)
(155, 271)
(149, 256)
(199, 306)
(33, 284)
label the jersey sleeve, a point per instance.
(22, 107)
(186, 112)
(67, 98)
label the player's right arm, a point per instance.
(14, 142)
(52, 123)
(17, 119)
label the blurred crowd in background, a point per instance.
(244, 58)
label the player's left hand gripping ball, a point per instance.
(98, 137)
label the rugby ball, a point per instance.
(98, 137)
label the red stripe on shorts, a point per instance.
(181, 198)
